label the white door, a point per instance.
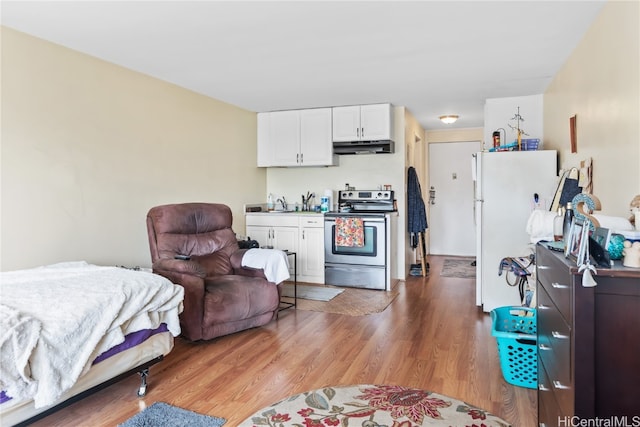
(375, 122)
(284, 137)
(311, 255)
(451, 215)
(316, 148)
(346, 123)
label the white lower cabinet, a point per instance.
(311, 250)
(301, 233)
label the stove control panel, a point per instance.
(366, 195)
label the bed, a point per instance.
(69, 329)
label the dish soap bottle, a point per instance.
(270, 203)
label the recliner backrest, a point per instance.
(199, 230)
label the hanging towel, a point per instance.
(349, 232)
(416, 212)
(274, 262)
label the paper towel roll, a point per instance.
(329, 194)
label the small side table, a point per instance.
(285, 304)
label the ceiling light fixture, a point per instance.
(448, 119)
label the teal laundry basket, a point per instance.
(515, 331)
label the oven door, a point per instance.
(372, 253)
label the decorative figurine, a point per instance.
(634, 208)
(631, 254)
(519, 132)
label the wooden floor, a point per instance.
(431, 337)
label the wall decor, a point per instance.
(572, 133)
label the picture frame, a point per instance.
(574, 239)
(602, 236)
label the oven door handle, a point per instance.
(365, 220)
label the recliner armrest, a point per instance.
(236, 264)
(180, 266)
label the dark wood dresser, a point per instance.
(588, 341)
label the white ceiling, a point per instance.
(433, 57)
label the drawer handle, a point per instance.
(544, 347)
(560, 386)
(559, 336)
(559, 286)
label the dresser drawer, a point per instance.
(548, 411)
(554, 340)
(554, 276)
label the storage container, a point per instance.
(529, 144)
(515, 331)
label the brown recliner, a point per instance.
(220, 296)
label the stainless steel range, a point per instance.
(364, 262)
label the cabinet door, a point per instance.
(285, 238)
(375, 122)
(284, 137)
(346, 123)
(259, 233)
(316, 146)
(311, 255)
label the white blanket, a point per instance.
(83, 310)
(274, 262)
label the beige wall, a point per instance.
(88, 147)
(600, 84)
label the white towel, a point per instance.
(274, 262)
(540, 225)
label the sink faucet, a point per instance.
(283, 203)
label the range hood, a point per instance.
(363, 147)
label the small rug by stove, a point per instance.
(163, 414)
(351, 302)
(374, 405)
(315, 293)
(458, 267)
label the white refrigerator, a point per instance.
(506, 185)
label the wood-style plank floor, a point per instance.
(432, 337)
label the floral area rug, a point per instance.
(371, 406)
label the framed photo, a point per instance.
(602, 236)
(574, 239)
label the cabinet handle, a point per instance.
(543, 267)
(544, 347)
(560, 386)
(301, 158)
(543, 387)
(362, 133)
(302, 234)
(543, 307)
(559, 336)
(542, 425)
(559, 286)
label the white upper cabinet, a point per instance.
(372, 122)
(295, 138)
